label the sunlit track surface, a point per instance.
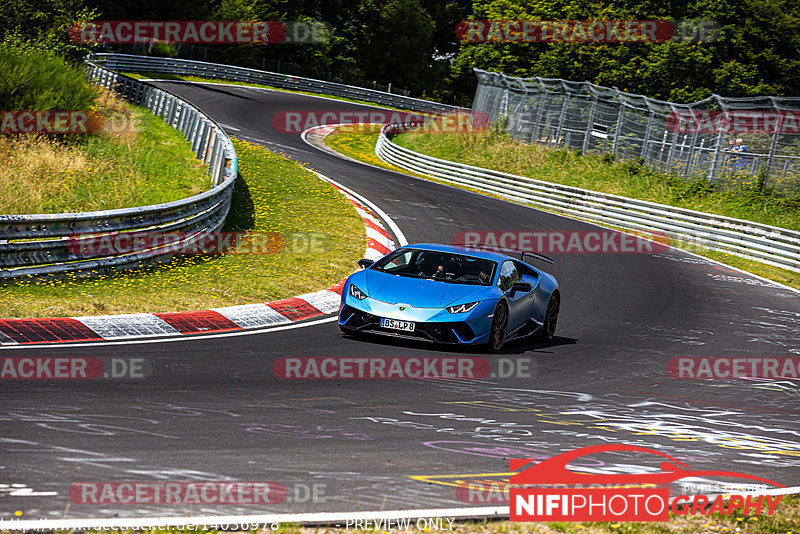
(212, 409)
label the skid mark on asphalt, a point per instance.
(730, 429)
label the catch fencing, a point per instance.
(596, 119)
(770, 245)
(48, 244)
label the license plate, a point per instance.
(394, 324)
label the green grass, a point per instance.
(592, 172)
(136, 161)
(39, 79)
(358, 142)
(273, 194)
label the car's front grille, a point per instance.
(358, 320)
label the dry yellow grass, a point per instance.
(135, 159)
(35, 169)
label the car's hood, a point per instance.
(418, 292)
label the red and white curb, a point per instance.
(248, 316)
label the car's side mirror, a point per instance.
(366, 263)
(520, 286)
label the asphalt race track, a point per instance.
(211, 409)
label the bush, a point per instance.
(162, 49)
(39, 80)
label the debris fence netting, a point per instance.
(690, 140)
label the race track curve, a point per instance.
(212, 408)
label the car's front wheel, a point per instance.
(497, 332)
(550, 318)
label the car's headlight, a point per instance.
(462, 308)
(357, 293)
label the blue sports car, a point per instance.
(450, 294)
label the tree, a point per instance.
(757, 51)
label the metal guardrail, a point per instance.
(126, 62)
(49, 244)
(770, 245)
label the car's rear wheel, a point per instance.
(497, 332)
(551, 318)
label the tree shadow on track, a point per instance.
(217, 89)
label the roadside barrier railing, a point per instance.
(127, 62)
(778, 247)
(48, 244)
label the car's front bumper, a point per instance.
(430, 324)
(353, 320)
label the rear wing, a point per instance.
(522, 253)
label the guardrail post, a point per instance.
(184, 120)
(213, 155)
(618, 131)
(172, 112)
(536, 134)
(712, 172)
(199, 131)
(194, 131)
(646, 140)
(202, 138)
(158, 99)
(661, 161)
(773, 148)
(671, 153)
(561, 119)
(208, 138)
(590, 124)
(686, 169)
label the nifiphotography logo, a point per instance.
(618, 497)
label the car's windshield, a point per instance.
(434, 265)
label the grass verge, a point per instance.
(785, 521)
(592, 172)
(135, 160)
(322, 233)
